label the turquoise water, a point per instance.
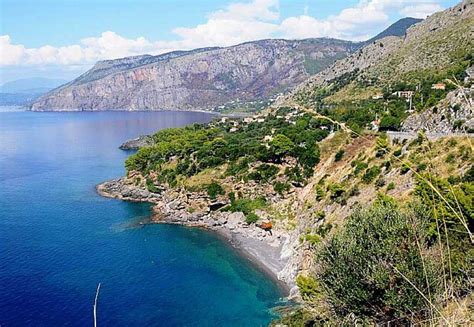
(59, 239)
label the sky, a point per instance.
(64, 38)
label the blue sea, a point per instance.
(59, 239)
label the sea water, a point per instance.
(59, 239)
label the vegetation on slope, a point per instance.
(251, 150)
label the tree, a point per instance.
(281, 145)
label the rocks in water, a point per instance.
(135, 144)
(122, 189)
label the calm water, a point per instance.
(59, 239)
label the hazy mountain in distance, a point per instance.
(31, 85)
(399, 28)
(22, 92)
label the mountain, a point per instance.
(440, 47)
(198, 79)
(205, 78)
(23, 91)
(398, 28)
(31, 85)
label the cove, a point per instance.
(59, 239)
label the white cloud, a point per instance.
(10, 54)
(263, 10)
(421, 10)
(236, 23)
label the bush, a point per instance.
(339, 155)
(359, 166)
(246, 206)
(361, 267)
(214, 189)
(338, 192)
(264, 173)
(251, 218)
(450, 158)
(390, 186)
(370, 174)
(281, 188)
(422, 166)
(150, 185)
(380, 182)
(308, 286)
(320, 193)
(404, 169)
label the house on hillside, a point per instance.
(374, 125)
(377, 96)
(438, 86)
(248, 120)
(404, 94)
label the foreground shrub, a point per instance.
(214, 189)
(363, 267)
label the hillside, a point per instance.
(436, 46)
(198, 79)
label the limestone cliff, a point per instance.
(198, 79)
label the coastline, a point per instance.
(267, 252)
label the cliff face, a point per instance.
(198, 79)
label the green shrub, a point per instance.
(320, 193)
(361, 267)
(247, 206)
(214, 189)
(450, 158)
(308, 286)
(281, 188)
(469, 175)
(320, 214)
(370, 174)
(150, 185)
(359, 166)
(339, 155)
(390, 186)
(404, 169)
(251, 218)
(446, 223)
(312, 239)
(264, 173)
(338, 192)
(380, 182)
(422, 166)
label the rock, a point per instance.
(135, 144)
(235, 219)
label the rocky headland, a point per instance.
(136, 143)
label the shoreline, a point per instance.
(264, 251)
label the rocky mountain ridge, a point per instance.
(204, 78)
(201, 79)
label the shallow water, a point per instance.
(59, 239)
